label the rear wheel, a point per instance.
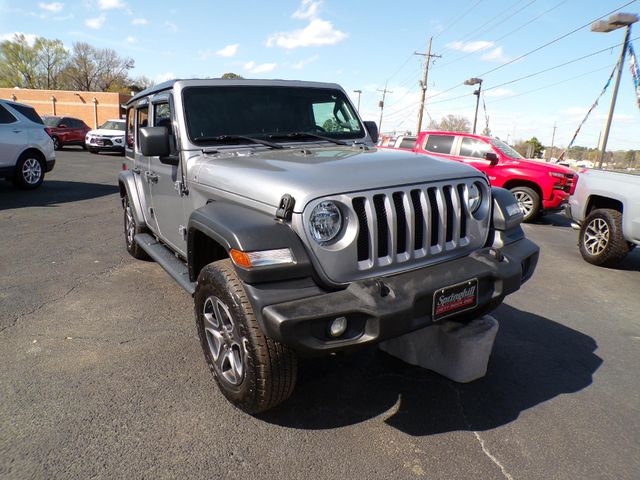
(29, 172)
(601, 239)
(528, 201)
(92, 150)
(56, 143)
(253, 371)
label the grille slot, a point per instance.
(435, 216)
(418, 227)
(401, 222)
(463, 211)
(383, 225)
(363, 237)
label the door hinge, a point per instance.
(182, 230)
(181, 188)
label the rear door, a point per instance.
(76, 133)
(438, 145)
(165, 178)
(13, 138)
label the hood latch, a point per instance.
(285, 210)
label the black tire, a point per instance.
(29, 173)
(269, 369)
(130, 230)
(601, 241)
(529, 202)
(84, 146)
(92, 150)
(57, 145)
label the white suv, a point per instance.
(26, 150)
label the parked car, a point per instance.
(65, 131)
(109, 137)
(296, 236)
(539, 187)
(26, 149)
(606, 208)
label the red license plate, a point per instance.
(454, 299)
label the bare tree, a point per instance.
(52, 61)
(451, 123)
(92, 69)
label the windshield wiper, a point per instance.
(226, 138)
(310, 135)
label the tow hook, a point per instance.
(497, 254)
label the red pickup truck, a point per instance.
(539, 187)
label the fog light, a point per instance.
(338, 326)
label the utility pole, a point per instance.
(553, 138)
(359, 92)
(423, 82)
(381, 104)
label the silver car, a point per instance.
(26, 150)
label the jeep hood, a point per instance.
(310, 173)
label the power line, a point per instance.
(498, 20)
(452, 23)
(455, 60)
(553, 41)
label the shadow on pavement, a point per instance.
(553, 219)
(534, 360)
(50, 193)
(632, 261)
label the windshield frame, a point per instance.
(357, 135)
(508, 151)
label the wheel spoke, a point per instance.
(215, 342)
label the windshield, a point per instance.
(504, 148)
(51, 121)
(113, 125)
(268, 113)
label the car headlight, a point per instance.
(474, 197)
(118, 140)
(325, 222)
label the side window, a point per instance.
(65, 121)
(142, 121)
(439, 144)
(162, 118)
(407, 142)
(28, 112)
(130, 124)
(5, 116)
(471, 147)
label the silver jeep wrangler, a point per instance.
(269, 203)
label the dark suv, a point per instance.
(66, 131)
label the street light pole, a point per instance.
(475, 81)
(359, 92)
(614, 22)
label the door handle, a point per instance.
(16, 130)
(136, 170)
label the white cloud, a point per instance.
(303, 63)
(495, 55)
(499, 92)
(163, 77)
(307, 9)
(95, 23)
(132, 40)
(228, 51)
(251, 67)
(53, 7)
(317, 33)
(110, 4)
(172, 27)
(476, 46)
(139, 21)
(29, 37)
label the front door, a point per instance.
(165, 178)
(13, 137)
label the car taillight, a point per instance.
(124, 166)
(48, 130)
(574, 183)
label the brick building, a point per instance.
(92, 107)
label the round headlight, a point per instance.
(325, 222)
(474, 197)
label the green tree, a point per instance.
(230, 76)
(538, 148)
(52, 61)
(19, 63)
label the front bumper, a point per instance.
(387, 307)
(49, 165)
(558, 200)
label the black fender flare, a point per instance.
(242, 228)
(127, 184)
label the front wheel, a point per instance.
(131, 230)
(253, 371)
(601, 241)
(528, 201)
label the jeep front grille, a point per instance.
(403, 228)
(394, 225)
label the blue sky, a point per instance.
(363, 44)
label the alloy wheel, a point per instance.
(525, 202)
(130, 224)
(31, 171)
(227, 347)
(596, 236)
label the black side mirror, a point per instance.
(372, 127)
(492, 157)
(154, 141)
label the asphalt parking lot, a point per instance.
(103, 377)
